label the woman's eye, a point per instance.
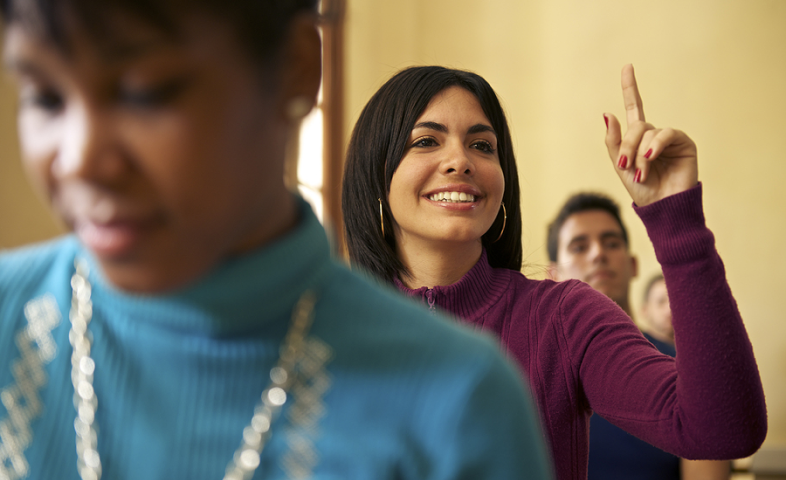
(46, 100)
(152, 97)
(424, 143)
(483, 146)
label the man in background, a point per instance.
(588, 241)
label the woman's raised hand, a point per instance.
(652, 163)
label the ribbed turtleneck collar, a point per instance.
(239, 295)
(470, 297)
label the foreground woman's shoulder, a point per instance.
(25, 269)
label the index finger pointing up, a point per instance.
(634, 108)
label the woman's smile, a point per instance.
(456, 197)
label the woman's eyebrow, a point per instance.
(479, 128)
(113, 52)
(14, 64)
(432, 126)
(124, 51)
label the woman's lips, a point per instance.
(455, 206)
(455, 197)
(114, 239)
(456, 187)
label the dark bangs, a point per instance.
(259, 24)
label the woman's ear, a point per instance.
(301, 67)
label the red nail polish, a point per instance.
(623, 162)
(649, 152)
(606, 119)
(637, 178)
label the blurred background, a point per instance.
(713, 68)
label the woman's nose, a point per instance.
(457, 160)
(88, 149)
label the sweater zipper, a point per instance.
(430, 300)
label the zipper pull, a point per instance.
(430, 299)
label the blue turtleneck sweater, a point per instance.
(384, 390)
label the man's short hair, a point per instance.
(582, 202)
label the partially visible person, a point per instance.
(655, 323)
(588, 241)
(194, 325)
(431, 205)
(655, 318)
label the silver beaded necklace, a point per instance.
(247, 457)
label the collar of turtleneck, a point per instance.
(470, 297)
(240, 295)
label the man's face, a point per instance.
(591, 248)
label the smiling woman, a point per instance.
(447, 122)
(431, 135)
(195, 309)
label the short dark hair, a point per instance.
(658, 277)
(582, 202)
(376, 148)
(260, 25)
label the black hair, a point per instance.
(376, 148)
(582, 202)
(658, 277)
(260, 25)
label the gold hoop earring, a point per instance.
(504, 221)
(381, 217)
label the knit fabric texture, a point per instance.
(581, 352)
(384, 390)
(615, 454)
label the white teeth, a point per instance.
(452, 197)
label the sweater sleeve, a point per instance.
(709, 402)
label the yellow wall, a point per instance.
(23, 218)
(714, 69)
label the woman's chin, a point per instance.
(457, 240)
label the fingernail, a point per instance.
(606, 119)
(637, 178)
(649, 152)
(623, 162)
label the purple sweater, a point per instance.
(582, 353)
